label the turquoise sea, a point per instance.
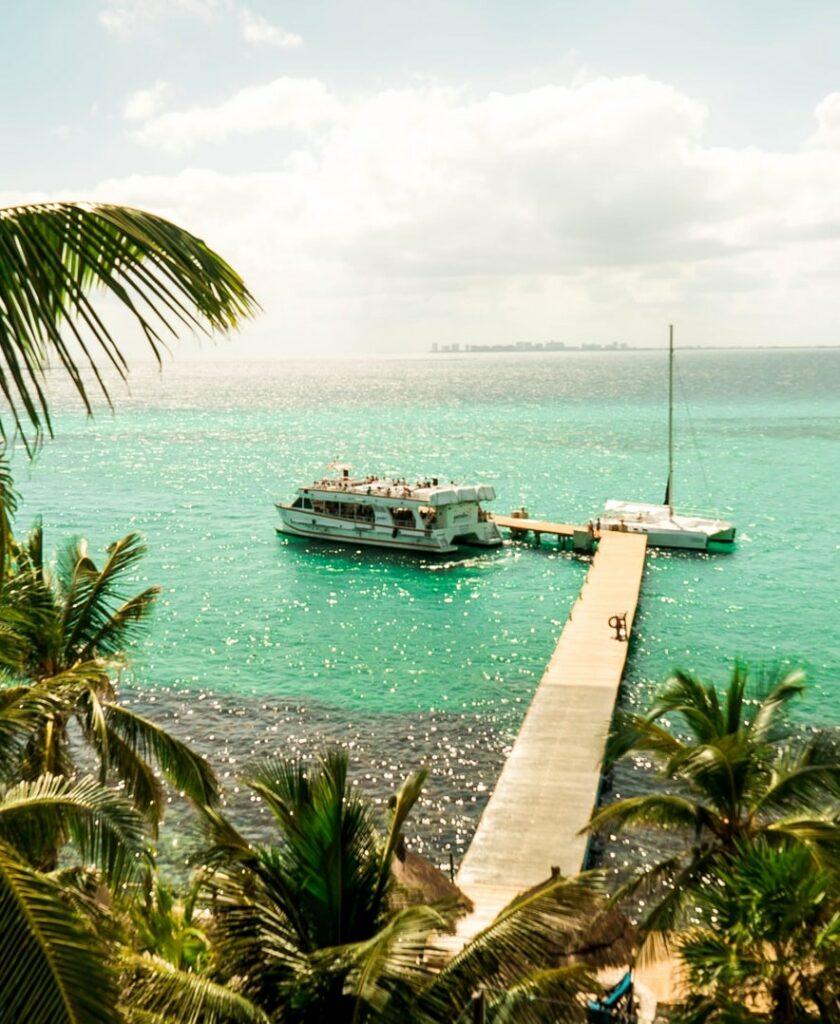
(262, 643)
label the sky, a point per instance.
(390, 175)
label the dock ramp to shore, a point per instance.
(550, 781)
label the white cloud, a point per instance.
(593, 211)
(121, 17)
(296, 104)
(827, 116)
(259, 31)
(145, 103)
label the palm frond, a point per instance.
(31, 553)
(154, 986)
(639, 733)
(331, 853)
(14, 645)
(22, 712)
(52, 255)
(283, 783)
(661, 920)
(532, 932)
(260, 931)
(134, 1015)
(223, 845)
(188, 771)
(99, 618)
(766, 719)
(696, 703)
(389, 967)
(554, 996)
(658, 809)
(8, 507)
(806, 778)
(55, 971)
(106, 830)
(138, 777)
(820, 836)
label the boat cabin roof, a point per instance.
(421, 492)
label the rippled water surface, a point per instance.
(264, 644)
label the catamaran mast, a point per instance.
(669, 487)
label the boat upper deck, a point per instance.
(421, 492)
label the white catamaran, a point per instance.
(664, 527)
(424, 516)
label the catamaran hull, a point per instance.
(665, 539)
(665, 529)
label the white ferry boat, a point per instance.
(664, 527)
(426, 516)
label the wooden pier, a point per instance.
(522, 524)
(576, 538)
(550, 781)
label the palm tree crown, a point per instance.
(768, 943)
(64, 631)
(738, 773)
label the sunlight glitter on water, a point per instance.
(293, 645)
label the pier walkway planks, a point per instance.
(536, 525)
(549, 783)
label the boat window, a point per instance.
(402, 516)
(306, 503)
(297, 503)
(428, 514)
(326, 508)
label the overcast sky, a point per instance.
(388, 174)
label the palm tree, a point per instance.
(165, 923)
(768, 947)
(57, 963)
(310, 929)
(737, 774)
(63, 631)
(54, 255)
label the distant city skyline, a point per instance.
(389, 177)
(531, 346)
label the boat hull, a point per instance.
(431, 542)
(665, 529)
(372, 542)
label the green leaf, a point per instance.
(53, 255)
(390, 963)
(188, 771)
(534, 930)
(54, 971)
(99, 618)
(154, 986)
(107, 831)
(657, 809)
